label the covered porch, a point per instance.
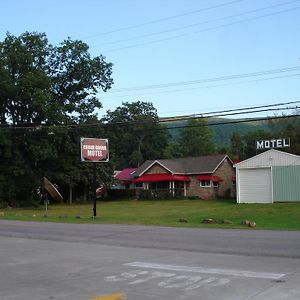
(173, 184)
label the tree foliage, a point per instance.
(134, 134)
(45, 90)
(196, 139)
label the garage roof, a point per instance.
(268, 159)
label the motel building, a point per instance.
(205, 177)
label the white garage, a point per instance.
(255, 176)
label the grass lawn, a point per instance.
(284, 216)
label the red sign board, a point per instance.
(94, 150)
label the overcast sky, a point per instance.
(184, 56)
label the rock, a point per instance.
(248, 223)
(245, 222)
(252, 224)
(209, 221)
(34, 216)
(18, 215)
(182, 220)
(2, 214)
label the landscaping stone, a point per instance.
(245, 222)
(249, 223)
(209, 221)
(252, 224)
(2, 213)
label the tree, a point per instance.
(134, 133)
(196, 139)
(236, 146)
(45, 90)
(249, 142)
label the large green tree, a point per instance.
(135, 134)
(45, 92)
(195, 139)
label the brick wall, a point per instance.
(226, 172)
(224, 190)
(194, 189)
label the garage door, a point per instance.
(255, 185)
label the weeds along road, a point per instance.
(58, 261)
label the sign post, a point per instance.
(94, 150)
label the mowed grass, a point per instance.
(279, 216)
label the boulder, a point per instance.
(252, 224)
(209, 221)
(245, 222)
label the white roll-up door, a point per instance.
(255, 185)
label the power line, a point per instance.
(246, 110)
(248, 120)
(235, 111)
(207, 80)
(201, 31)
(195, 24)
(163, 19)
(204, 87)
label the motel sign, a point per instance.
(94, 150)
(274, 143)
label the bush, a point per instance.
(121, 193)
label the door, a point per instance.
(255, 185)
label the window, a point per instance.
(215, 184)
(139, 185)
(205, 183)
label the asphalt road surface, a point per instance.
(40, 261)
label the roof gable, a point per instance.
(269, 158)
(187, 165)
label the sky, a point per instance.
(185, 57)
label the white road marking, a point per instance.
(228, 272)
(168, 280)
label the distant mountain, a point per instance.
(223, 131)
(222, 128)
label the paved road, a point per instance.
(72, 261)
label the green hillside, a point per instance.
(221, 130)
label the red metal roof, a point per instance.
(210, 178)
(126, 174)
(161, 177)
